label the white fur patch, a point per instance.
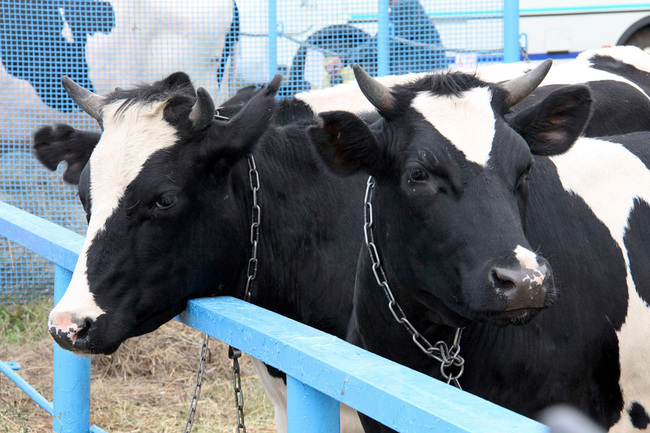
(467, 121)
(628, 54)
(526, 257)
(609, 178)
(348, 96)
(528, 260)
(130, 137)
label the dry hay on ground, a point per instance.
(146, 386)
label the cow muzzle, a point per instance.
(70, 331)
(525, 290)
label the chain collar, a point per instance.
(441, 352)
(254, 179)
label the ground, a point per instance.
(146, 386)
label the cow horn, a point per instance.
(523, 86)
(203, 110)
(378, 94)
(87, 100)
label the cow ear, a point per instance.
(234, 138)
(552, 126)
(345, 143)
(53, 144)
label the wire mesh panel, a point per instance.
(222, 44)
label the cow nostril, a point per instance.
(502, 281)
(84, 326)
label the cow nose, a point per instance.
(522, 287)
(66, 328)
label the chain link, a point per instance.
(447, 356)
(235, 354)
(197, 386)
(254, 179)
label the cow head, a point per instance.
(164, 219)
(452, 181)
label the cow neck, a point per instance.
(440, 351)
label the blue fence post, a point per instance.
(71, 383)
(383, 41)
(511, 48)
(309, 410)
(273, 38)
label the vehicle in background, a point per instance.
(564, 28)
(548, 28)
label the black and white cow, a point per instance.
(63, 143)
(619, 80)
(169, 202)
(482, 220)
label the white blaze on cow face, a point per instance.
(130, 137)
(609, 179)
(467, 121)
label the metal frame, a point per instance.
(321, 369)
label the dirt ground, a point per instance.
(146, 386)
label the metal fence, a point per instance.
(321, 369)
(223, 45)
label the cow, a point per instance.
(54, 144)
(618, 78)
(478, 221)
(169, 195)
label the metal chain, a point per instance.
(254, 179)
(235, 354)
(441, 352)
(197, 386)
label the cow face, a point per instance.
(165, 224)
(452, 179)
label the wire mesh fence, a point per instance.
(222, 44)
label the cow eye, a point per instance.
(418, 175)
(166, 201)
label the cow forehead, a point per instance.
(467, 120)
(130, 137)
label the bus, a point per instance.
(564, 28)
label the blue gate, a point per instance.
(321, 369)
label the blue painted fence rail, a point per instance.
(321, 369)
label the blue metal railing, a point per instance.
(321, 369)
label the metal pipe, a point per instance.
(310, 410)
(383, 38)
(511, 48)
(6, 368)
(273, 38)
(71, 382)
